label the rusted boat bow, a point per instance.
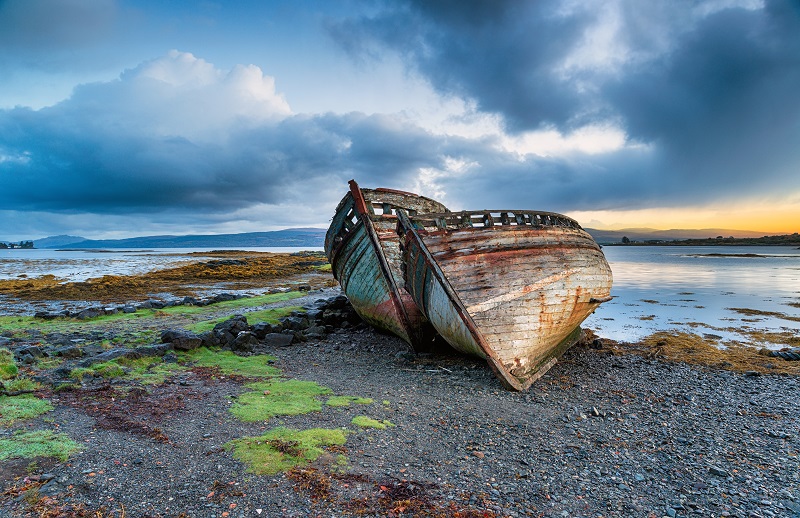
(509, 286)
(362, 246)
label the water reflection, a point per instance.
(687, 289)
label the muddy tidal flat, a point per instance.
(294, 408)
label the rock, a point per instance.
(69, 351)
(46, 315)
(88, 313)
(181, 339)
(227, 331)
(314, 315)
(152, 350)
(278, 340)
(209, 339)
(262, 329)
(315, 332)
(128, 308)
(32, 350)
(245, 341)
(405, 355)
(26, 359)
(109, 355)
(718, 471)
(223, 297)
(120, 352)
(295, 323)
(190, 301)
(234, 325)
(338, 302)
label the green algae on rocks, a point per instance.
(273, 398)
(281, 449)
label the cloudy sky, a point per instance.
(121, 118)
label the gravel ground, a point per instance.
(598, 435)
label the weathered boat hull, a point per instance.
(362, 246)
(514, 293)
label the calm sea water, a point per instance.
(79, 265)
(655, 288)
(692, 289)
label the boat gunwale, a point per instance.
(448, 221)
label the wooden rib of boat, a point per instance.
(509, 286)
(362, 246)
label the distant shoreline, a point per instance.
(782, 240)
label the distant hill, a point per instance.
(310, 237)
(57, 241)
(649, 234)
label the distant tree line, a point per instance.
(21, 244)
(785, 240)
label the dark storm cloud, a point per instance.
(51, 162)
(177, 134)
(707, 93)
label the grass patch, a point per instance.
(147, 371)
(274, 398)
(20, 384)
(363, 421)
(110, 369)
(38, 443)
(228, 363)
(284, 448)
(325, 268)
(25, 406)
(8, 367)
(342, 401)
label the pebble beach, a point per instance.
(608, 431)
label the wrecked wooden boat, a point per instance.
(509, 286)
(362, 246)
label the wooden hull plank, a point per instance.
(519, 291)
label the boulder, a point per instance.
(316, 332)
(68, 351)
(46, 315)
(295, 323)
(223, 297)
(32, 350)
(181, 339)
(209, 339)
(245, 341)
(262, 329)
(88, 313)
(278, 340)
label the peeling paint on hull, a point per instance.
(362, 246)
(514, 293)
